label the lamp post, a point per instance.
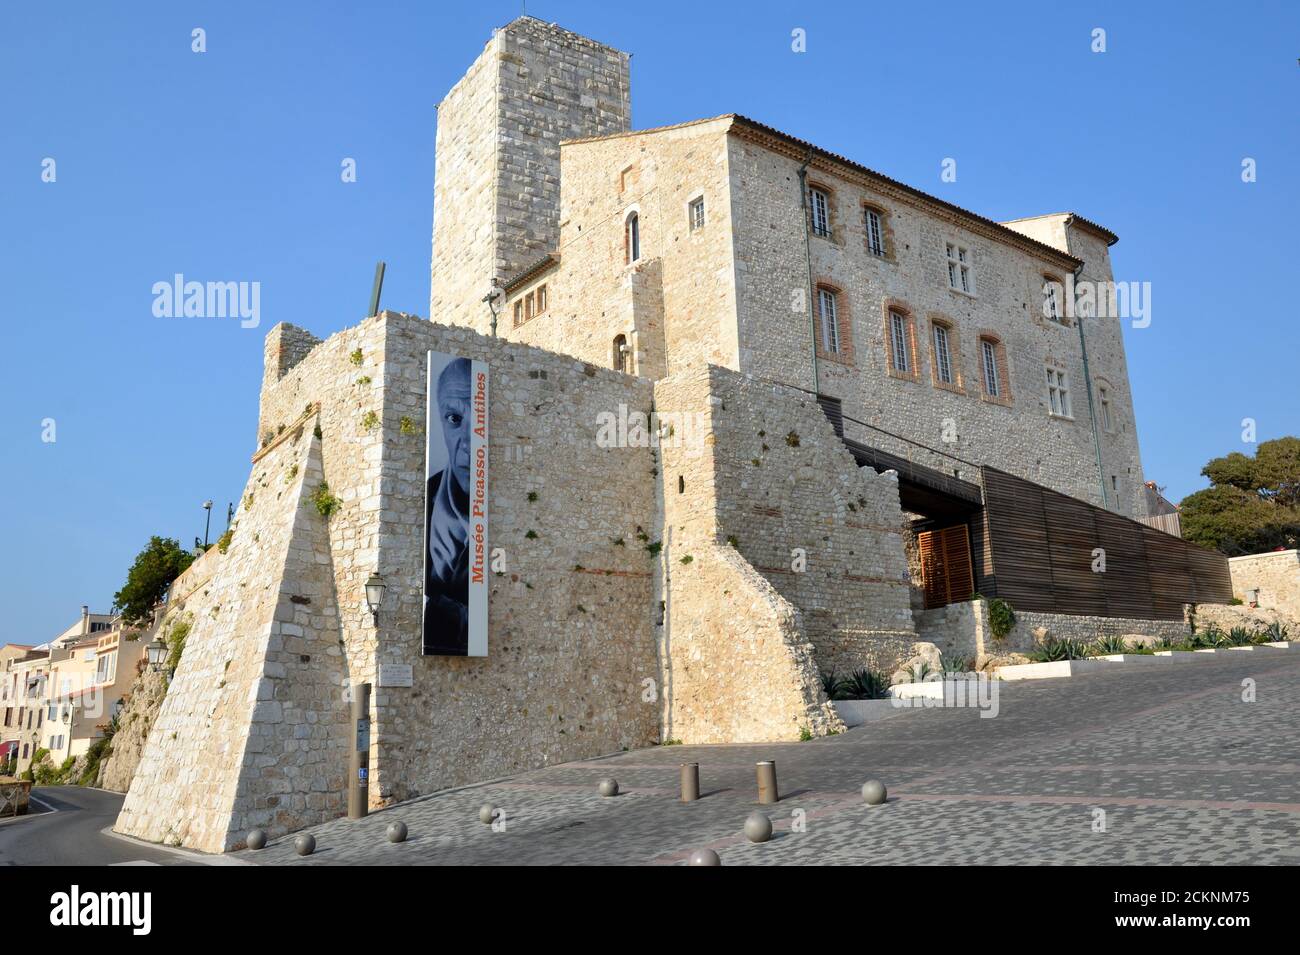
(375, 588)
(207, 506)
(157, 653)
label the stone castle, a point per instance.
(795, 314)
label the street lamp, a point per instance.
(375, 588)
(207, 506)
(157, 653)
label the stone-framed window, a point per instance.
(1054, 299)
(875, 223)
(1058, 393)
(961, 268)
(900, 342)
(622, 355)
(1105, 407)
(518, 313)
(832, 326)
(539, 299)
(632, 238)
(819, 210)
(945, 355)
(695, 214)
(995, 382)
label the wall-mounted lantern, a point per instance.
(375, 588)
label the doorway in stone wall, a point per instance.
(946, 572)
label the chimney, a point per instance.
(85, 619)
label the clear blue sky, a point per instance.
(225, 166)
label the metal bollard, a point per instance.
(690, 782)
(767, 782)
(359, 758)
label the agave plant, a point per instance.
(1167, 642)
(1104, 646)
(958, 665)
(1239, 637)
(865, 684)
(1053, 649)
(1275, 632)
(833, 685)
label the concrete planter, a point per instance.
(930, 690)
(1180, 654)
(1281, 644)
(858, 712)
(1135, 658)
(1048, 671)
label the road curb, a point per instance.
(202, 858)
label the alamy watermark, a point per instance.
(182, 299)
(1088, 299)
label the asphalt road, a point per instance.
(73, 834)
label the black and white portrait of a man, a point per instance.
(455, 506)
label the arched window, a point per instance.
(622, 355)
(632, 238)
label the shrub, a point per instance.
(805, 734)
(175, 639)
(369, 420)
(355, 357)
(223, 542)
(408, 426)
(326, 503)
(1001, 618)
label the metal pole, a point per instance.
(359, 757)
(690, 782)
(767, 782)
(207, 524)
(376, 289)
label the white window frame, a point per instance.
(942, 354)
(695, 215)
(961, 271)
(829, 317)
(1058, 393)
(106, 667)
(875, 232)
(819, 204)
(989, 366)
(900, 355)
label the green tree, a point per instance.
(155, 567)
(1252, 504)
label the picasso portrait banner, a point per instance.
(456, 507)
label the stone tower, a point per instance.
(496, 205)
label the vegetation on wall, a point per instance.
(1001, 618)
(325, 502)
(175, 640)
(1252, 504)
(153, 571)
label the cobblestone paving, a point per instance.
(1175, 766)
